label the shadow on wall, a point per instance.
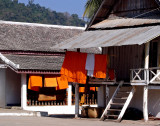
(154, 103)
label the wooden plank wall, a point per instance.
(131, 8)
(124, 58)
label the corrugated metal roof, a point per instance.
(125, 8)
(116, 37)
(124, 22)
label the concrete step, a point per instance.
(18, 112)
(13, 107)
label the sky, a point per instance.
(70, 6)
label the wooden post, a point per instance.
(107, 95)
(23, 91)
(145, 90)
(158, 56)
(76, 101)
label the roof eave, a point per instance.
(9, 62)
(26, 71)
(94, 16)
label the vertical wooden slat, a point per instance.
(76, 101)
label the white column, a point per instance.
(3, 86)
(147, 55)
(76, 101)
(145, 103)
(69, 95)
(23, 91)
(101, 96)
(145, 90)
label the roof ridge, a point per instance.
(41, 25)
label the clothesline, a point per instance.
(75, 68)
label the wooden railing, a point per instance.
(33, 101)
(89, 99)
(44, 99)
(145, 76)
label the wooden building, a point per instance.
(128, 31)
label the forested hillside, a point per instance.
(11, 10)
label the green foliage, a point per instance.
(11, 10)
(91, 7)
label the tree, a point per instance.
(30, 2)
(15, 1)
(91, 7)
(12, 10)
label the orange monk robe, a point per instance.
(34, 82)
(81, 89)
(74, 67)
(69, 66)
(62, 82)
(92, 89)
(111, 74)
(50, 81)
(100, 66)
(80, 69)
(72, 73)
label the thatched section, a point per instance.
(33, 37)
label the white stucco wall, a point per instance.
(53, 109)
(137, 101)
(2, 87)
(13, 87)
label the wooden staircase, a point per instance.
(118, 103)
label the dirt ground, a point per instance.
(58, 121)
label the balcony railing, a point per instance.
(143, 76)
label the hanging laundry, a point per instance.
(62, 83)
(35, 82)
(81, 89)
(111, 74)
(80, 70)
(100, 66)
(50, 81)
(35, 88)
(92, 88)
(74, 67)
(68, 66)
(90, 62)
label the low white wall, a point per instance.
(13, 87)
(2, 87)
(53, 109)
